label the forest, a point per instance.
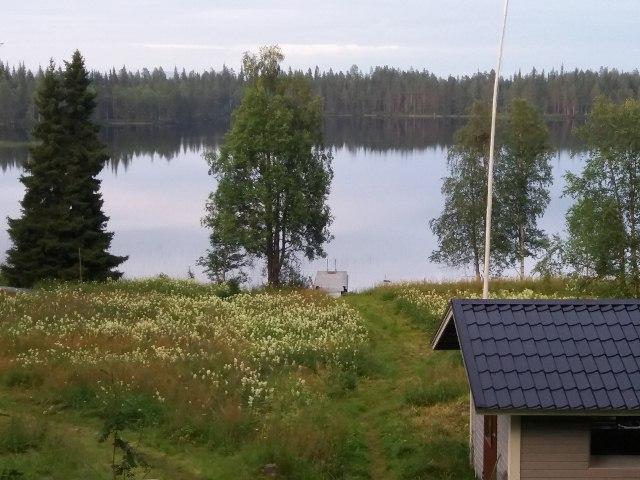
(187, 98)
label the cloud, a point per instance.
(334, 48)
(298, 49)
(185, 46)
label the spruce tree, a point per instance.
(85, 156)
(61, 233)
(40, 235)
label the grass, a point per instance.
(206, 384)
(20, 434)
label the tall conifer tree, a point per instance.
(38, 237)
(86, 156)
(62, 231)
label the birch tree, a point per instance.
(523, 178)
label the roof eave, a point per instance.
(558, 413)
(444, 322)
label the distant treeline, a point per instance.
(155, 97)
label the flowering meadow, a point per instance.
(200, 349)
(237, 385)
(429, 301)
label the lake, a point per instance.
(386, 187)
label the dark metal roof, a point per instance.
(573, 356)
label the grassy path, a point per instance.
(391, 340)
(400, 434)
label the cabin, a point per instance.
(333, 282)
(555, 386)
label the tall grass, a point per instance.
(193, 361)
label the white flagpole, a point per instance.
(492, 145)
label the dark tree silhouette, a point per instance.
(61, 233)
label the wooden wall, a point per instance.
(558, 447)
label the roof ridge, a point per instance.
(609, 302)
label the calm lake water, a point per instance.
(386, 188)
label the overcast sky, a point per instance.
(444, 36)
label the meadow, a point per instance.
(173, 379)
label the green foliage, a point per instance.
(443, 458)
(341, 382)
(125, 410)
(552, 263)
(79, 395)
(521, 195)
(399, 413)
(460, 226)
(523, 178)
(318, 445)
(130, 461)
(224, 261)
(61, 232)
(38, 248)
(604, 222)
(273, 178)
(121, 410)
(85, 156)
(429, 323)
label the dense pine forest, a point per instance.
(180, 97)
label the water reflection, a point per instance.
(386, 187)
(373, 134)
